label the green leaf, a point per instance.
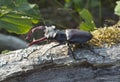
(16, 25)
(117, 8)
(77, 5)
(88, 20)
(18, 16)
(5, 51)
(86, 27)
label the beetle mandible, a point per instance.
(62, 36)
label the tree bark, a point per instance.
(46, 64)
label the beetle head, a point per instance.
(50, 32)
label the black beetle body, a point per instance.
(69, 35)
(77, 36)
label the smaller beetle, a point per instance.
(68, 36)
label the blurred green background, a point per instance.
(17, 17)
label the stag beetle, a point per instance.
(67, 36)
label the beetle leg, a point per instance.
(97, 53)
(51, 48)
(92, 50)
(73, 55)
(38, 40)
(33, 30)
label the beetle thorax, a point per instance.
(50, 32)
